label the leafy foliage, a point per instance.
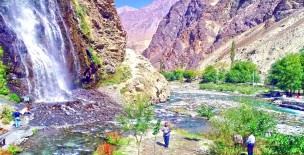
(241, 72)
(190, 75)
(14, 149)
(287, 73)
(169, 76)
(137, 118)
(14, 97)
(284, 144)
(178, 73)
(85, 23)
(204, 111)
(242, 120)
(104, 149)
(6, 114)
(113, 138)
(210, 74)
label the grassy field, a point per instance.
(240, 88)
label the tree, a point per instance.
(210, 74)
(137, 119)
(232, 53)
(155, 132)
(189, 75)
(179, 73)
(287, 73)
(302, 63)
(241, 72)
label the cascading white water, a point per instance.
(36, 22)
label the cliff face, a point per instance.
(194, 29)
(141, 24)
(106, 37)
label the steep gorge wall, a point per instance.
(106, 37)
(194, 29)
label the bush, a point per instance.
(113, 138)
(169, 76)
(210, 74)
(14, 149)
(104, 149)
(284, 144)
(190, 75)
(242, 120)
(6, 114)
(178, 73)
(14, 98)
(241, 72)
(204, 111)
(222, 76)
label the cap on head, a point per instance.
(166, 123)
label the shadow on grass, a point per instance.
(160, 144)
(192, 139)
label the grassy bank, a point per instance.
(240, 88)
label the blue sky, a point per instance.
(133, 3)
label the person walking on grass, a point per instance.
(16, 116)
(250, 144)
(166, 134)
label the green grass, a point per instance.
(240, 88)
(188, 135)
(122, 75)
(6, 114)
(85, 23)
(95, 58)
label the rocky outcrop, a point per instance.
(144, 80)
(106, 37)
(16, 75)
(142, 24)
(194, 29)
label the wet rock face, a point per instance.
(107, 38)
(16, 71)
(194, 29)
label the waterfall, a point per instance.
(36, 23)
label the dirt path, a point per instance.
(179, 145)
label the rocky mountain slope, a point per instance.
(141, 24)
(125, 9)
(144, 80)
(194, 29)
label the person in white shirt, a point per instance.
(250, 144)
(166, 134)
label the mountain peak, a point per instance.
(125, 9)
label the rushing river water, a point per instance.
(85, 139)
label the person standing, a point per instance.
(166, 134)
(250, 144)
(17, 115)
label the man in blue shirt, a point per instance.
(166, 134)
(16, 116)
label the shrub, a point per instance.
(112, 138)
(104, 149)
(14, 98)
(242, 120)
(1, 51)
(178, 73)
(14, 149)
(6, 114)
(204, 111)
(221, 76)
(241, 72)
(123, 90)
(169, 76)
(284, 144)
(190, 75)
(210, 74)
